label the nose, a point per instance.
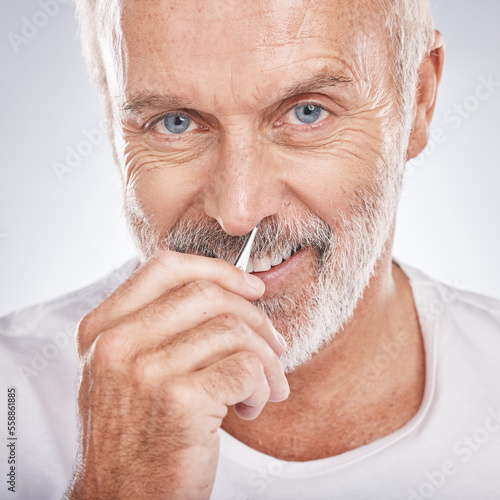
(243, 187)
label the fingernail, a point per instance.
(280, 338)
(287, 387)
(285, 390)
(254, 282)
(281, 388)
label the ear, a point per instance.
(429, 76)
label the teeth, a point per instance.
(286, 254)
(260, 265)
(250, 266)
(277, 260)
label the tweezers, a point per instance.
(241, 261)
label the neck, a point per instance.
(365, 384)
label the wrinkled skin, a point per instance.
(244, 158)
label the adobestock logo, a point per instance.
(50, 350)
(92, 139)
(259, 481)
(31, 27)
(362, 380)
(42, 355)
(454, 117)
(463, 450)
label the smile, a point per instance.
(266, 263)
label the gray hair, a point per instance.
(407, 24)
(101, 39)
(410, 29)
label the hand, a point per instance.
(161, 360)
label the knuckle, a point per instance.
(237, 333)
(144, 371)
(84, 325)
(107, 350)
(230, 322)
(270, 360)
(257, 318)
(233, 374)
(171, 259)
(180, 391)
(99, 353)
(231, 330)
(248, 363)
(84, 331)
(205, 290)
(179, 395)
(162, 257)
(222, 267)
(165, 260)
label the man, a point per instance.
(329, 370)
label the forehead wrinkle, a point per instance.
(263, 52)
(147, 100)
(232, 83)
(302, 21)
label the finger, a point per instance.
(213, 341)
(179, 310)
(166, 270)
(239, 378)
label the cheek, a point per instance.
(325, 180)
(163, 190)
(321, 177)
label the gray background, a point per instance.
(61, 233)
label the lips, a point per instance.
(292, 264)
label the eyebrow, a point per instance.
(315, 82)
(146, 100)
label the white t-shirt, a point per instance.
(449, 450)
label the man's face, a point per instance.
(275, 111)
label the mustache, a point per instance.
(204, 236)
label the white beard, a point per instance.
(322, 308)
(348, 254)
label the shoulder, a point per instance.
(37, 342)
(456, 313)
(39, 320)
(452, 296)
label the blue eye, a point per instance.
(308, 113)
(176, 124)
